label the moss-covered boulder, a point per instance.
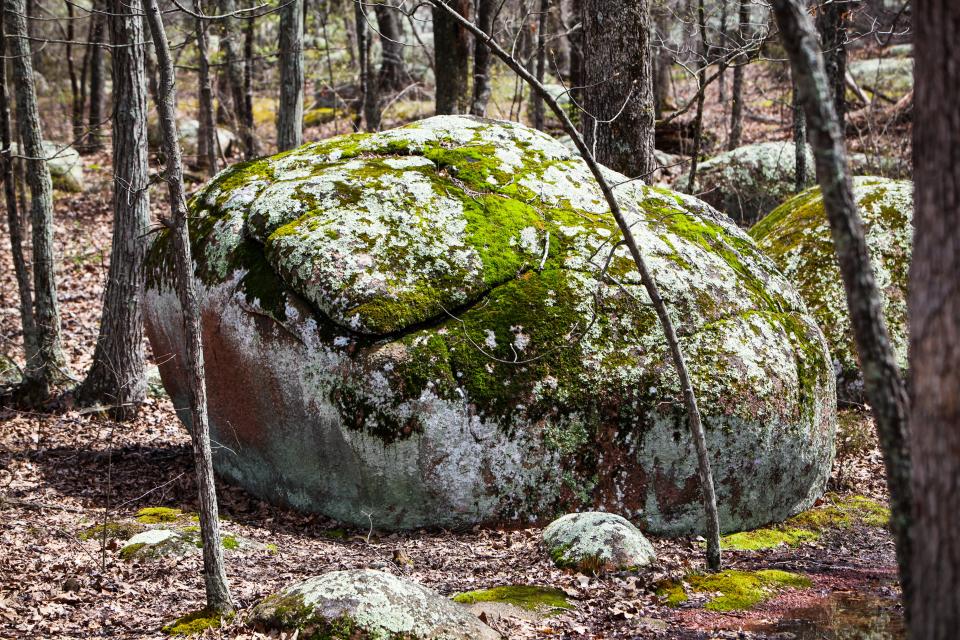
(749, 181)
(363, 604)
(797, 236)
(891, 77)
(436, 326)
(594, 542)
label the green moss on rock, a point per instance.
(195, 623)
(156, 515)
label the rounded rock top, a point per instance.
(597, 541)
(437, 325)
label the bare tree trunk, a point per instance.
(97, 85)
(250, 146)
(76, 92)
(740, 67)
(799, 142)
(234, 64)
(451, 46)
(576, 51)
(150, 65)
(46, 310)
(617, 69)
(701, 95)
(369, 94)
(690, 398)
(393, 73)
(832, 20)
(117, 376)
(663, 59)
(13, 213)
(935, 324)
(885, 389)
(290, 113)
(482, 59)
(538, 113)
(207, 130)
(215, 577)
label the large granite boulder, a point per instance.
(797, 236)
(436, 326)
(749, 181)
(368, 605)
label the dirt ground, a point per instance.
(63, 470)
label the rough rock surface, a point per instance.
(749, 181)
(435, 325)
(189, 130)
(66, 168)
(597, 541)
(368, 605)
(892, 77)
(797, 236)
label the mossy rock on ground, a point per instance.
(837, 512)
(436, 326)
(195, 622)
(747, 182)
(595, 542)
(10, 372)
(892, 77)
(65, 165)
(363, 604)
(797, 236)
(530, 597)
(731, 590)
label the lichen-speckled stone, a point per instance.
(892, 76)
(368, 605)
(436, 326)
(749, 181)
(797, 236)
(595, 540)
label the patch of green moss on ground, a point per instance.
(530, 597)
(156, 515)
(841, 512)
(230, 542)
(738, 590)
(111, 530)
(194, 623)
(766, 539)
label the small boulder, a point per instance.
(66, 169)
(797, 236)
(890, 77)
(368, 604)
(748, 181)
(596, 541)
(157, 543)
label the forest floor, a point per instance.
(65, 470)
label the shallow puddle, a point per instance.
(842, 616)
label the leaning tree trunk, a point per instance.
(885, 388)
(482, 59)
(14, 225)
(290, 111)
(393, 73)
(935, 324)
(451, 47)
(712, 529)
(215, 576)
(117, 376)
(94, 141)
(46, 312)
(207, 130)
(619, 119)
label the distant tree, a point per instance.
(231, 29)
(740, 67)
(251, 146)
(97, 92)
(290, 110)
(934, 306)
(832, 18)
(369, 112)
(451, 45)
(207, 156)
(486, 9)
(14, 224)
(541, 68)
(618, 80)
(393, 73)
(885, 389)
(46, 369)
(117, 376)
(214, 572)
